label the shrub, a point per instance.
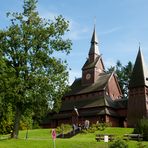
(95, 127)
(84, 131)
(92, 129)
(142, 128)
(119, 143)
(140, 145)
(59, 130)
(64, 128)
(102, 126)
(26, 122)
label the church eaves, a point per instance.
(140, 72)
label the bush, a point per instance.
(142, 128)
(64, 128)
(92, 129)
(84, 131)
(119, 143)
(26, 122)
(140, 145)
(95, 127)
(102, 126)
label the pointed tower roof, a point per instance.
(94, 44)
(140, 72)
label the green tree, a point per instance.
(124, 74)
(32, 75)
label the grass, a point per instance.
(41, 138)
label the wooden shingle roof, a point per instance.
(78, 88)
(93, 102)
(89, 65)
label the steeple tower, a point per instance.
(94, 50)
(94, 64)
(138, 92)
(140, 72)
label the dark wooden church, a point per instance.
(97, 97)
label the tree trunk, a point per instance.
(16, 123)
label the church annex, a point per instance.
(97, 96)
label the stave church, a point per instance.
(97, 96)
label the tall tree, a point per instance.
(124, 74)
(32, 76)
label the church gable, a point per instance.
(91, 71)
(99, 68)
(113, 88)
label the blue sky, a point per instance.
(120, 26)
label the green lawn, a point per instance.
(41, 138)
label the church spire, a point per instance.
(140, 72)
(94, 50)
(94, 37)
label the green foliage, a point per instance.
(141, 145)
(35, 125)
(102, 126)
(26, 121)
(63, 129)
(6, 119)
(84, 131)
(142, 128)
(30, 75)
(95, 127)
(119, 143)
(91, 129)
